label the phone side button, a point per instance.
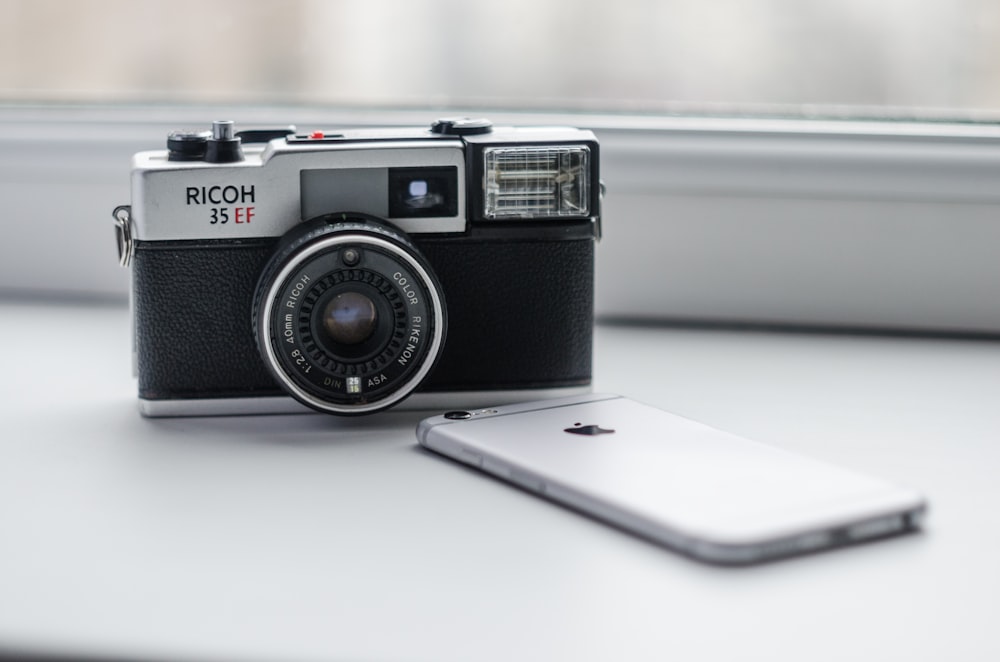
(526, 481)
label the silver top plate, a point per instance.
(261, 195)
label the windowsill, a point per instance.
(312, 536)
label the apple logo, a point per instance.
(589, 430)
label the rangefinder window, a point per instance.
(423, 192)
(336, 189)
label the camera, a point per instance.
(345, 270)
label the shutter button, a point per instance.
(224, 146)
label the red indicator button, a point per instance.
(316, 135)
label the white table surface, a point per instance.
(318, 538)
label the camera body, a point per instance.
(344, 270)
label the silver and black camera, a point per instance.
(349, 269)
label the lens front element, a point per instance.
(349, 317)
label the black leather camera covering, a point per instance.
(520, 315)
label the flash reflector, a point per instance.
(532, 182)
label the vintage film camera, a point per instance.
(349, 269)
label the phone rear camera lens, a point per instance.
(350, 318)
(458, 415)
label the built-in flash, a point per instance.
(354, 385)
(537, 182)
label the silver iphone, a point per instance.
(704, 492)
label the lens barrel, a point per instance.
(348, 315)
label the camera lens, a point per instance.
(348, 315)
(350, 318)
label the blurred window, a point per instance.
(754, 56)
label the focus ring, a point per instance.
(307, 271)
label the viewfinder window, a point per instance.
(423, 192)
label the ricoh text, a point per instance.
(224, 195)
(218, 195)
(297, 289)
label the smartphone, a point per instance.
(709, 494)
